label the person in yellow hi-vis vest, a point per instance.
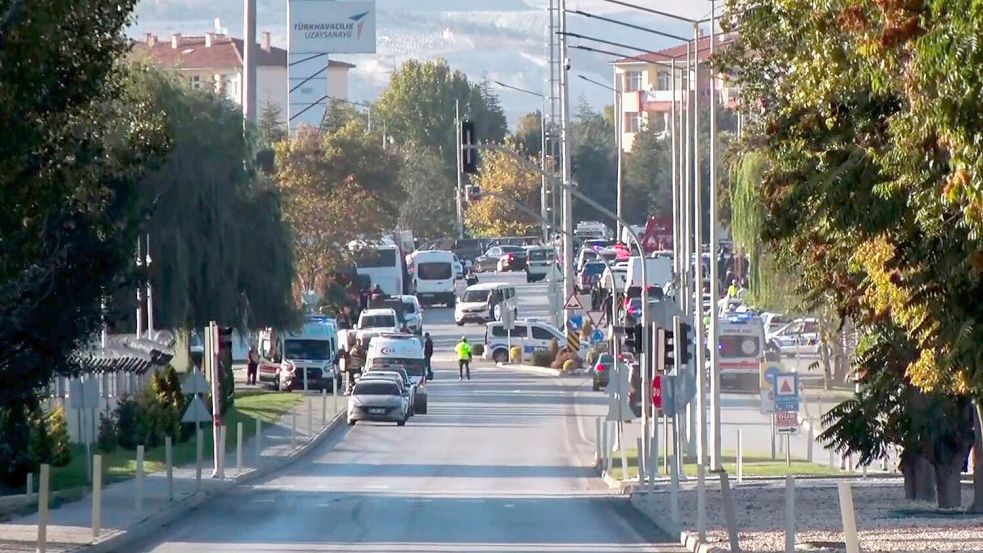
(463, 349)
(732, 289)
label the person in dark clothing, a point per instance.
(343, 362)
(363, 299)
(427, 354)
(252, 365)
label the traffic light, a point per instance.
(684, 337)
(633, 339)
(469, 157)
(667, 344)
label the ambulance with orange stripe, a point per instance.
(740, 351)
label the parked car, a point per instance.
(540, 260)
(413, 313)
(601, 371)
(511, 260)
(489, 260)
(801, 336)
(378, 399)
(529, 334)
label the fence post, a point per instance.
(199, 438)
(97, 494)
(259, 440)
(324, 406)
(701, 501)
(239, 447)
(812, 438)
(44, 478)
(642, 474)
(674, 491)
(848, 515)
(789, 514)
(598, 448)
(293, 429)
(138, 498)
(334, 394)
(740, 455)
(310, 417)
(30, 484)
(221, 451)
(169, 462)
(729, 515)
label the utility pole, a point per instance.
(460, 170)
(139, 289)
(543, 194)
(567, 200)
(249, 63)
(677, 232)
(701, 383)
(618, 122)
(714, 276)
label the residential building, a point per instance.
(645, 82)
(214, 62)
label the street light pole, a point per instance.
(460, 169)
(715, 461)
(567, 197)
(701, 383)
(618, 122)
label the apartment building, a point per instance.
(214, 62)
(645, 82)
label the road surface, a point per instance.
(501, 463)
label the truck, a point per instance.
(659, 270)
(301, 359)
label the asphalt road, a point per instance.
(500, 463)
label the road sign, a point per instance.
(787, 392)
(767, 373)
(194, 384)
(508, 319)
(596, 337)
(657, 391)
(787, 422)
(196, 411)
(573, 303)
(575, 322)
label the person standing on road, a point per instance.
(252, 365)
(463, 349)
(427, 354)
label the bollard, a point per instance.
(220, 473)
(740, 456)
(259, 440)
(169, 462)
(334, 393)
(642, 469)
(773, 456)
(324, 406)
(138, 496)
(199, 438)
(674, 491)
(864, 471)
(701, 501)
(849, 517)
(598, 458)
(310, 418)
(608, 439)
(789, 514)
(97, 494)
(729, 515)
(293, 430)
(30, 484)
(239, 448)
(44, 480)
(788, 451)
(811, 437)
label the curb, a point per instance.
(687, 539)
(530, 368)
(124, 539)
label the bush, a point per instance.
(108, 437)
(127, 423)
(564, 356)
(553, 350)
(61, 452)
(515, 355)
(567, 365)
(542, 358)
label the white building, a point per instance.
(214, 62)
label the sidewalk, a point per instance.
(69, 525)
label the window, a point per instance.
(375, 388)
(195, 81)
(520, 331)
(633, 81)
(307, 349)
(633, 122)
(662, 81)
(434, 271)
(376, 258)
(739, 346)
(540, 333)
(475, 296)
(409, 306)
(378, 321)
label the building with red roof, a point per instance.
(214, 62)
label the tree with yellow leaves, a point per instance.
(337, 187)
(490, 216)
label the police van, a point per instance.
(741, 350)
(390, 350)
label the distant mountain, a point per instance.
(487, 39)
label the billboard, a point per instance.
(331, 26)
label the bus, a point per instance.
(382, 263)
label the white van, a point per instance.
(529, 334)
(305, 356)
(484, 302)
(659, 271)
(401, 350)
(540, 261)
(433, 277)
(382, 263)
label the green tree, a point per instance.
(429, 210)
(218, 242)
(595, 161)
(647, 177)
(869, 193)
(418, 106)
(73, 148)
(528, 135)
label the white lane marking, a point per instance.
(509, 506)
(377, 487)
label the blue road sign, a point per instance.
(597, 336)
(575, 322)
(786, 386)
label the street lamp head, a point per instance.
(566, 64)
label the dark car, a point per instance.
(513, 259)
(489, 260)
(602, 371)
